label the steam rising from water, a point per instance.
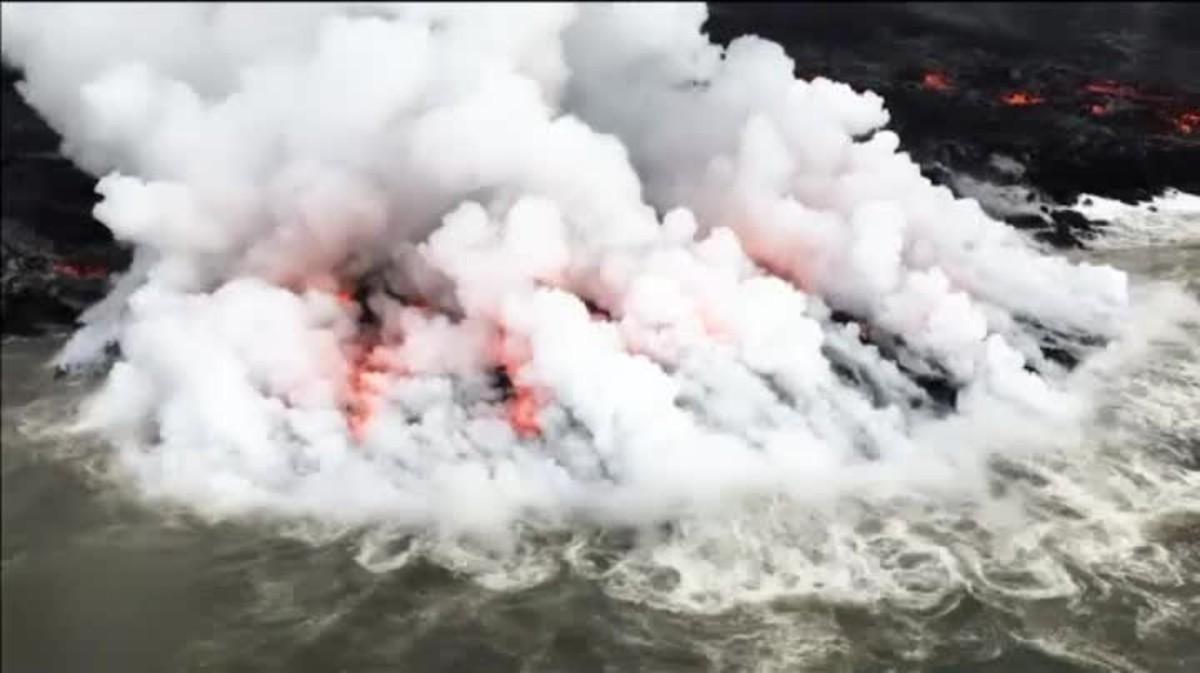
(645, 232)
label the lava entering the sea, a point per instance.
(523, 405)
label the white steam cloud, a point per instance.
(647, 232)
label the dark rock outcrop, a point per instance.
(56, 258)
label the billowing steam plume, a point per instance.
(457, 267)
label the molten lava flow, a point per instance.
(936, 81)
(362, 388)
(1021, 99)
(80, 270)
(523, 406)
(1187, 122)
(522, 413)
(367, 363)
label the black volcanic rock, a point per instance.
(1130, 147)
(1027, 221)
(40, 289)
(56, 257)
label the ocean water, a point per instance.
(1086, 559)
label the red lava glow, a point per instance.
(1116, 90)
(522, 414)
(936, 81)
(1187, 122)
(80, 270)
(1021, 99)
(368, 363)
(362, 386)
(524, 406)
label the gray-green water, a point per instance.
(95, 581)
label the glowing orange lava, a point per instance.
(936, 81)
(1186, 122)
(368, 365)
(1021, 99)
(362, 385)
(524, 406)
(522, 413)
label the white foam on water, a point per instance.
(1171, 218)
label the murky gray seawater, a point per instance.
(95, 581)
